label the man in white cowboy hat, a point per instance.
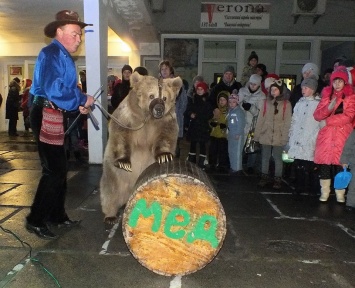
(55, 91)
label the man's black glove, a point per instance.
(213, 124)
(222, 126)
(246, 106)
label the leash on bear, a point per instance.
(91, 115)
(109, 115)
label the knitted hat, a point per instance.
(235, 95)
(255, 79)
(197, 78)
(62, 18)
(224, 94)
(202, 85)
(27, 83)
(311, 83)
(262, 67)
(273, 75)
(17, 79)
(340, 60)
(311, 67)
(127, 67)
(340, 72)
(253, 56)
(279, 84)
(270, 78)
(141, 70)
(229, 68)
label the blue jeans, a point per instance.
(235, 152)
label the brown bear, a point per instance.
(143, 129)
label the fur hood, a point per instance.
(328, 91)
(14, 85)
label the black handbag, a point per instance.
(251, 146)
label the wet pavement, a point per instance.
(271, 241)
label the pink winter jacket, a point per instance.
(331, 138)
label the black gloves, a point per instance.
(246, 106)
(221, 125)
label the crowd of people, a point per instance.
(311, 124)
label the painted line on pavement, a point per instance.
(112, 233)
(176, 282)
(347, 230)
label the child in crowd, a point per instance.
(218, 149)
(250, 68)
(236, 124)
(199, 112)
(336, 112)
(190, 94)
(271, 131)
(302, 136)
(252, 99)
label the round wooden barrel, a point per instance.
(174, 223)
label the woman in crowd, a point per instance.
(199, 112)
(336, 112)
(272, 130)
(253, 97)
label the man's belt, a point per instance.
(43, 102)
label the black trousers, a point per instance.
(218, 152)
(328, 171)
(12, 127)
(48, 204)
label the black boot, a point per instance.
(201, 161)
(314, 183)
(192, 157)
(300, 182)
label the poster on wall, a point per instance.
(181, 52)
(183, 56)
(235, 15)
(15, 70)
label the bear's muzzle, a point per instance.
(157, 108)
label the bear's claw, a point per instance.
(165, 157)
(125, 165)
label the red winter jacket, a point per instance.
(331, 138)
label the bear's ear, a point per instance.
(135, 77)
(175, 83)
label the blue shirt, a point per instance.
(54, 78)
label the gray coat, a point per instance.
(304, 129)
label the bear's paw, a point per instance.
(111, 220)
(164, 157)
(124, 164)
